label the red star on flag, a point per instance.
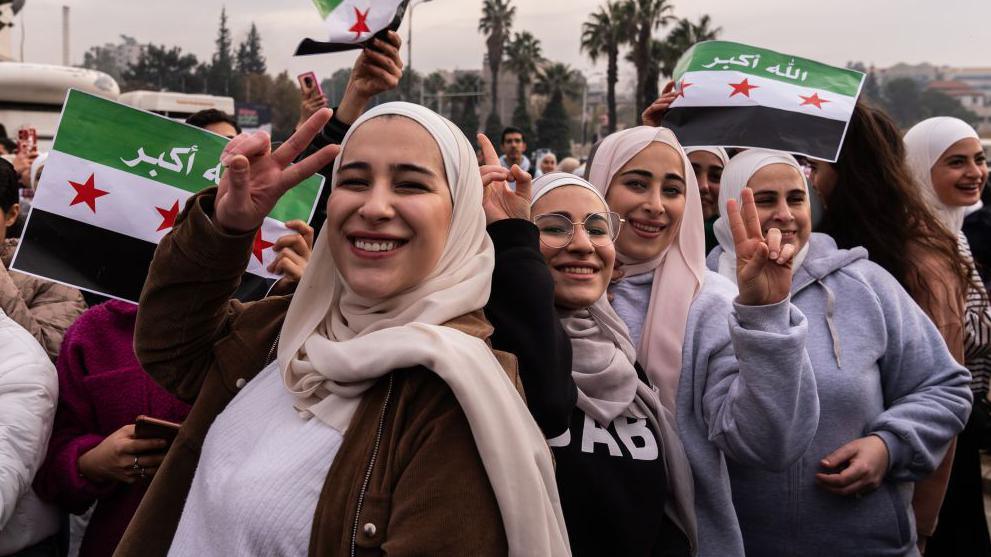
(742, 88)
(168, 216)
(87, 192)
(682, 86)
(360, 25)
(260, 245)
(814, 100)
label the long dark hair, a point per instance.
(876, 203)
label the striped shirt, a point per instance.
(977, 326)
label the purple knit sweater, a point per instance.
(101, 389)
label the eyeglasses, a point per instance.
(556, 231)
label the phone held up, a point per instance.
(308, 83)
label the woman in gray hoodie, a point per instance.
(735, 371)
(891, 395)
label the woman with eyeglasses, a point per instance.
(733, 368)
(622, 473)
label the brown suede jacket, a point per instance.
(407, 480)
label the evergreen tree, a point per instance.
(249, 53)
(222, 66)
(160, 68)
(467, 88)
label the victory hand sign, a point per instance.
(763, 265)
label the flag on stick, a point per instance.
(736, 95)
(352, 22)
(113, 186)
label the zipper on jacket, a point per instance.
(371, 465)
(271, 350)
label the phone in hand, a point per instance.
(146, 427)
(308, 82)
(27, 140)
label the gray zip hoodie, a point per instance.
(882, 369)
(747, 393)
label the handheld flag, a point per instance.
(353, 22)
(112, 187)
(736, 95)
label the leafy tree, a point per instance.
(522, 56)
(648, 16)
(554, 125)
(496, 21)
(163, 69)
(284, 100)
(602, 35)
(465, 92)
(249, 53)
(901, 99)
(335, 85)
(872, 91)
(937, 103)
(102, 59)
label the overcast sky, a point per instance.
(883, 32)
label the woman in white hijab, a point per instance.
(948, 163)
(735, 371)
(891, 395)
(387, 314)
(625, 483)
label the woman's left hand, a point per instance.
(859, 466)
(293, 251)
(499, 201)
(763, 265)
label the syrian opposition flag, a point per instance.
(735, 95)
(112, 187)
(352, 22)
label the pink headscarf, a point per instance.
(678, 271)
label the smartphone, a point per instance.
(146, 427)
(308, 82)
(27, 140)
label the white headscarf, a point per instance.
(925, 143)
(736, 176)
(602, 366)
(336, 344)
(718, 151)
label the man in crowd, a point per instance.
(216, 121)
(513, 145)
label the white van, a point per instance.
(177, 106)
(32, 95)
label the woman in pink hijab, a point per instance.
(735, 372)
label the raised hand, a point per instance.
(293, 251)
(855, 468)
(500, 202)
(763, 266)
(377, 69)
(653, 114)
(256, 177)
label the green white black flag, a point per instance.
(736, 95)
(352, 22)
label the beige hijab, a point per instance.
(678, 271)
(336, 344)
(605, 375)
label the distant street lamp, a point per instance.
(409, 49)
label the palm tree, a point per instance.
(554, 126)
(433, 85)
(682, 37)
(496, 21)
(522, 56)
(602, 35)
(648, 16)
(465, 92)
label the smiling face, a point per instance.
(390, 211)
(581, 270)
(548, 163)
(649, 192)
(709, 173)
(960, 173)
(782, 203)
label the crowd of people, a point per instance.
(659, 350)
